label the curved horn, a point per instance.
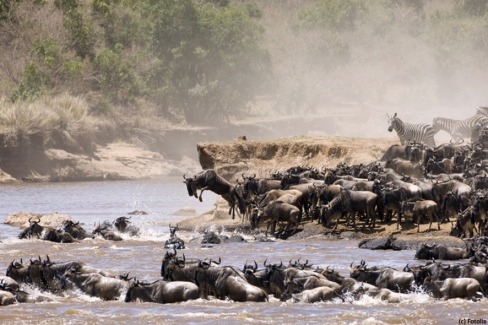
(265, 263)
(352, 263)
(255, 265)
(184, 177)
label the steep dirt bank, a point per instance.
(113, 161)
(230, 159)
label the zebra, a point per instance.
(482, 110)
(411, 132)
(459, 129)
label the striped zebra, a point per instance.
(459, 129)
(482, 110)
(411, 132)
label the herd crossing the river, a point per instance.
(412, 181)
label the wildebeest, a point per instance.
(57, 236)
(227, 281)
(97, 285)
(384, 294)
(106, 234)
(18, 271)
(388, 278)
(317, 294)
(123, 225)
(259, 186)
(465, 223)
(7, 298)
(34, 229)
(352, 202)
(277, 211)
(394, 151)
(53, 273)
(277, 275)
(255, 277)
(75, 230)
(401, 166)
(461, 271)
(161, 291)
(174, 268)
(309, 282)
(439, 251)
(454, 288)
(174, 241)
(210, 180)
(418, 209)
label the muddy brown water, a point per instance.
(99, 201)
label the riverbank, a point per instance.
(113, 161)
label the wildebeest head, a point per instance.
(172, 230)
(168, 258)
(13, 266)
(249, 268)
(190, 185)
(250, 185)
(425, 251)
(392, 122)
(332, 275)
(270, 269)
(67, 225)
(357, 271)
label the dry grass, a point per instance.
(62, 115)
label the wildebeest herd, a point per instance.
(70, 231)
(184, 279)
(413, 180)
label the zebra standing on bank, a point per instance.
(459, 129)
(411, 132)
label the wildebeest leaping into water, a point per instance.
(209, 180)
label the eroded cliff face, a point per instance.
(232, 158)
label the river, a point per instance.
(94, 202)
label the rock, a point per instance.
(7, 178)
(350, 235)
(21, 219)
(235, 239)
(186, 211)
(378, 243)
(137, 212)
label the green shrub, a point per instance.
(34, 80)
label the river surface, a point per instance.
(94, 202)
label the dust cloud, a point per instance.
(412, 60)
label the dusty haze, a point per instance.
(403, 60)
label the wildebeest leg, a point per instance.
(201, 192)
(352, 214)
(419, 216)
(371, 215)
